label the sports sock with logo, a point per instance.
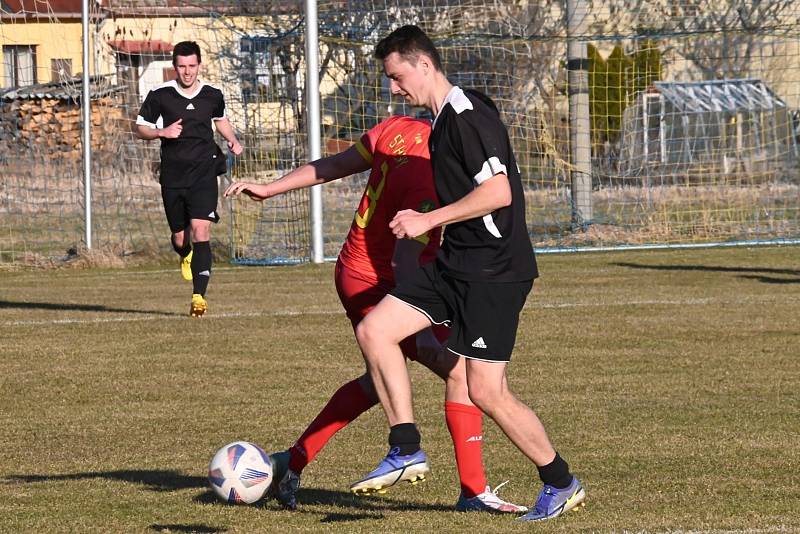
(405, 437)
(556, 473)
(344, 406)
(465, 424)
(201, 267)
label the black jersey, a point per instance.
(186, 159)
(469, 144)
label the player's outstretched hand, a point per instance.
(409, 223)
(235, 147)
(254, 191)
(173, 131)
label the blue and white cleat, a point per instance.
(393, 469)
(488, 501)
(552, 502)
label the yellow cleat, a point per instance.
(199, 305)
(186, 267)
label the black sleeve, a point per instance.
(219, 107)
(150, 110)
(484, 144)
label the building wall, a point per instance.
(219, 40)
(53, 40)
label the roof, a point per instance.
(71, 89)
(156, 8)
(37, 8)
(148, 46)
(720, 95)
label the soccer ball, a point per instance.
(240, 472)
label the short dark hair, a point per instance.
(409, 41)
(186, 48)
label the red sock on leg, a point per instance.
(345, 406)
(466, 428)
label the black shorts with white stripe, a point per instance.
(198, 201)
(483, 316)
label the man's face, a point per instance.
(407, 80)
(187, 68)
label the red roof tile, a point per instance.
(133, 46)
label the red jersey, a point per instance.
(401, 178)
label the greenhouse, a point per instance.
(720, 127)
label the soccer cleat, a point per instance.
(199, 305)
(186, 267)
(393, 469)
(552, 502)
(285, 481)
(488, 501)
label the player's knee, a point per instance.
(201, 233)
(366, 335)
(484, 395)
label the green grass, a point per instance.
(670, 380)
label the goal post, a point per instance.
(690, 136)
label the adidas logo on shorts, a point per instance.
(479, 343)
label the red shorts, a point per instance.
(359, 296)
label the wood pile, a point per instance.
(52, 128)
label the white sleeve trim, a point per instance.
(140, 121)
(224, 116)
(488, 222)
(490, 168)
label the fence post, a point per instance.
(579, 120)
(313, 114)
(86, 108)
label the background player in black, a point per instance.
(482, 275)
(190, 161)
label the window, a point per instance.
(60, 69)
(262, 75)
(19, 65)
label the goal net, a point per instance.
(693, 121)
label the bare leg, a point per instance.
(488, 389)
(201, 230)
(379, 335)
(452, 369)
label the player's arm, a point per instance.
(492, 194)
(317, 172)
(149, 115)
(226, 130)
(148, 132)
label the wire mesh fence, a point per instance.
(693, 115)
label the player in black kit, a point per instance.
(190, 161)
(480, 279)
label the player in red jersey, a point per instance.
(370, 262)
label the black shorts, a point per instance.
(483, 316)
(199, 201)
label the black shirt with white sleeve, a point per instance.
(194, 154)
(469, 144)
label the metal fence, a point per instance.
(686, 134)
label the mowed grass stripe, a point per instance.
(291, 313)
(670, 380)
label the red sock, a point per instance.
(466, 428)
(345, 406)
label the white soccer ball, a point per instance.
(240, 472)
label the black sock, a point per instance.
(201, 267)
(405, 437)
(182, 250)
(556, 473)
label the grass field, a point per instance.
(669, 380)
